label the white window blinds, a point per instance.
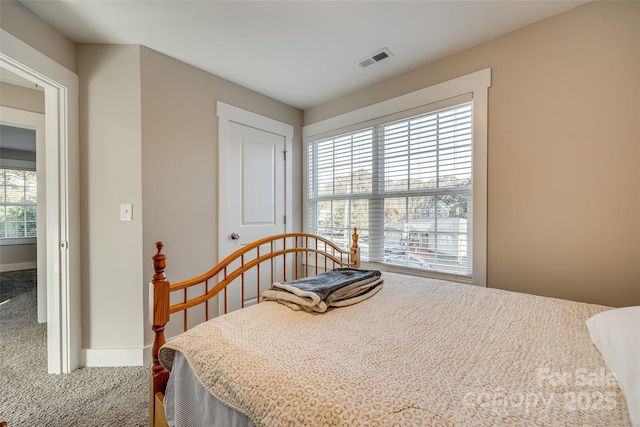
(407, 186)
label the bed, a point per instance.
(419, 352)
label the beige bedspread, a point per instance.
(420, 352)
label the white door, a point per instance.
(256, 191)
(254, 188)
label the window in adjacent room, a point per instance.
(408, 181)
(18, 203)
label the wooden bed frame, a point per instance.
(287, 256)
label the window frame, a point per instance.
(476, 84)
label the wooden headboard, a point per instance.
(250, 270)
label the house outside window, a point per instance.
(18, 203)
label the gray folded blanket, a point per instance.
(335, 288)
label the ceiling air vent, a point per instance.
(375, 57)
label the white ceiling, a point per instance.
(302, 53)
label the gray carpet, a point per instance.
(29, 397)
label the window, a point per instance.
(405, 184)
(18, 190)
(410, 174)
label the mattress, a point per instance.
(420, 352)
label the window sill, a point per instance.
(18, 241)
(416, 272)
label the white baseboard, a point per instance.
(110, 357)
(18, 266)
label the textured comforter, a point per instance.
(421, 352)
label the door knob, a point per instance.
(235, 236)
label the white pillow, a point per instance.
(616, 334)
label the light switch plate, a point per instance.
(126, 212)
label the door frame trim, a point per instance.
(64, 335)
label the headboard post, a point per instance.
(160, 288)
(355, 258)
(161, 304)
(160, 310)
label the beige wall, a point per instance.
(180, 162)
(37, 33)
(148, 136)
(18, 257)
(110, 174)
(21, 98)
(564, 151)
(30, 100)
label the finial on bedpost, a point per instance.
(355, 251)
(159, 263)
